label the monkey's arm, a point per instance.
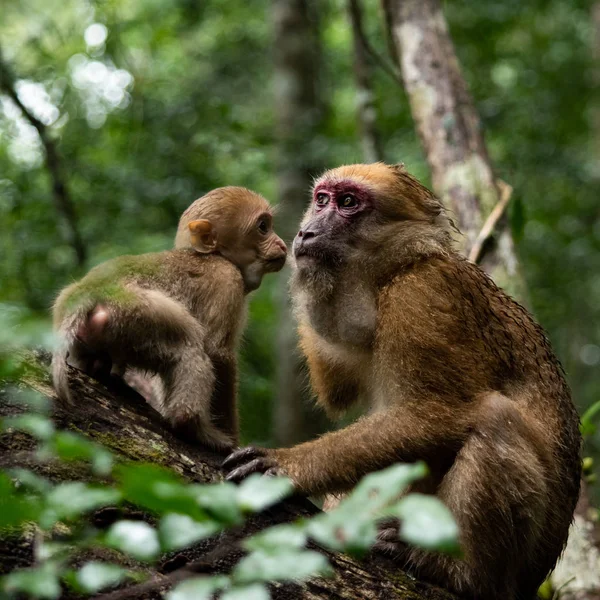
(338, 460)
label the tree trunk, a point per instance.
(577, 575)
(298, 111)
(450, 131)
(122, 421)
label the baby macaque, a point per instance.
(176, 315)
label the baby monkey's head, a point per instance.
(237, 224)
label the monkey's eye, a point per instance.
(263, 226)
(348, 201)
(322, 199)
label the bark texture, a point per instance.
(577, 575)
(120, 419)
(450, 131)
(298, 113)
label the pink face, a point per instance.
(346, 198)
(326, 232)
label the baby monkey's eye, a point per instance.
(263, 226)
(348, 201)
(322, 199)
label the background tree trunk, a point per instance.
(298, 111)
(61, 195)
(450, 131)
(451, 134)
(124, 423)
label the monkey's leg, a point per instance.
(223, 405)
(496, 490)
(158, 334)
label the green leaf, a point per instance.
(40, 582)
(256, 591)
(16, 507)
(36, 425)
(342, 531)
(95, 576)
(280, 537)
(427, 523)
(47, 550)
(135, 538)
(198, 588)
(70, 446)
(72, 499)
(30, 480)
(286, 565)
(377, 490)
(258, 492)
(157, 489)
(588, 427)
(178, 531)
(219, 500)
(351, 527)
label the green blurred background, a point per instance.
(153, 102)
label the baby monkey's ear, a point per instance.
(203, 237)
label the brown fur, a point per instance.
(170, 322)
(452, 371)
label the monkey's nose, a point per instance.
(306, 234)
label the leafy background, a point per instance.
(153, 102)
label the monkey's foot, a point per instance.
(251, 460)
(388, 538)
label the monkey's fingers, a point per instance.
(258, 465)
(275, 472)
(242, 455)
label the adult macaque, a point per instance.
(177, 314)
(452, 371)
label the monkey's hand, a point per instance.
(245, 461)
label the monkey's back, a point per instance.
(183, 275)
(498, 345)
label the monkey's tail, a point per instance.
(60, 371)
(65, 346)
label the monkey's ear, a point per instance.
(202, 236)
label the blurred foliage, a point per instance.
(185, 514)
(155, 102)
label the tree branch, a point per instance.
(62, 198)
(491, 221)
(361, 38)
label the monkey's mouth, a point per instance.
(275, 264)
(309, 253)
